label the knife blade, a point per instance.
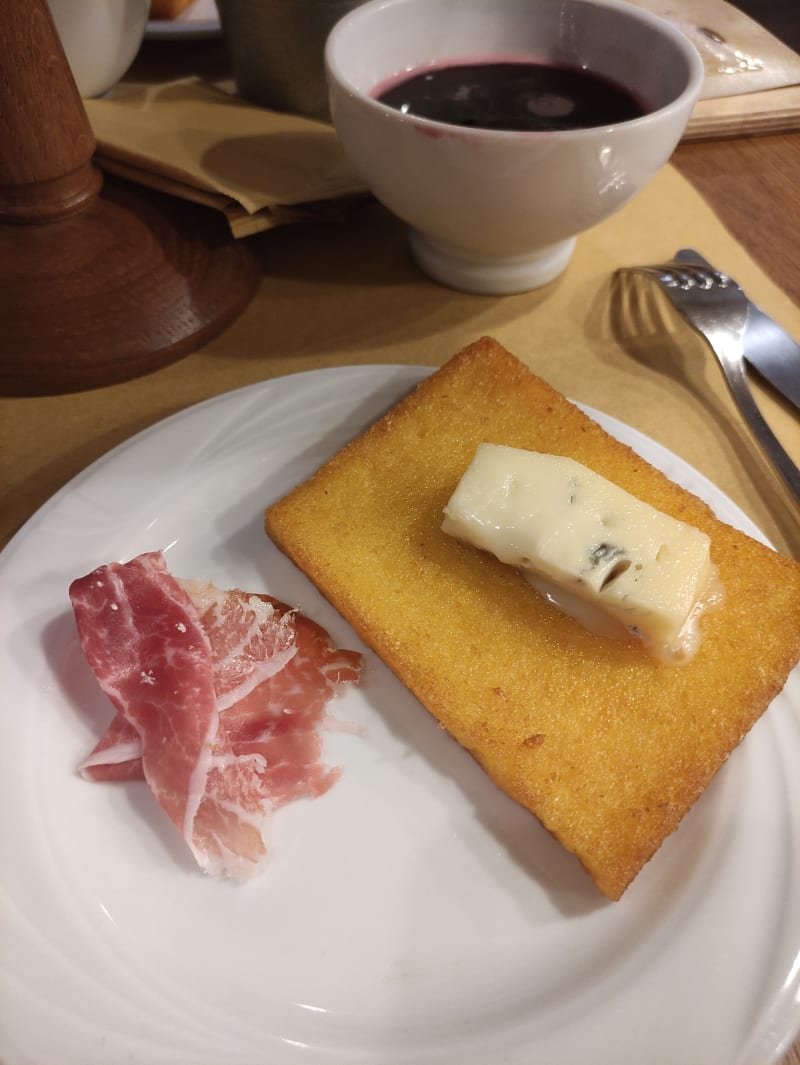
(767, 347)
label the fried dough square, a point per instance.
(606, 746)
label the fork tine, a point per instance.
(684, 275)
(637, 308)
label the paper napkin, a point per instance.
(189, 138)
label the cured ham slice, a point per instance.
(219, 697)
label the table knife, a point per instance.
(767, 347)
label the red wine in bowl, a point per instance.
(517, 96)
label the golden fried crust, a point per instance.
(606, 746)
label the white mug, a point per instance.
(100, 39)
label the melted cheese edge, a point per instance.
(616, 564)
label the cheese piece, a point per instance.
(616, 564)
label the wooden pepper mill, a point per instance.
(100, 280)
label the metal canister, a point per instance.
(276, 50)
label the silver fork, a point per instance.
(716, 307)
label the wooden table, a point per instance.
(752, 184)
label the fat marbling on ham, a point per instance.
(219, 698)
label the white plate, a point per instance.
(412, 916)
(201, 19)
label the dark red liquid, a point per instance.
(513, 96)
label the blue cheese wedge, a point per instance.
(596, 552)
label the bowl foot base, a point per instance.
(485, 276)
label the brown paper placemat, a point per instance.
(339, 294)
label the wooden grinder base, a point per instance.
(99, 281)
(132, 283)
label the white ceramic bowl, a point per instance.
(100, 39)
(493, 211)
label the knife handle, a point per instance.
(734, 372)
